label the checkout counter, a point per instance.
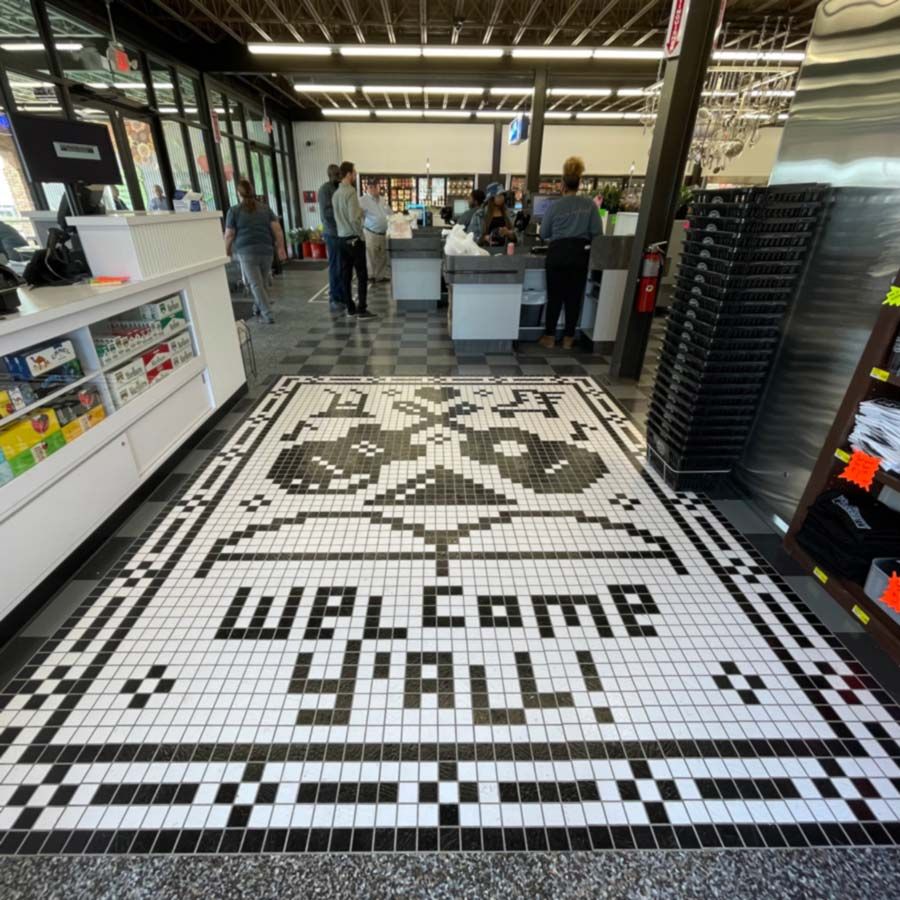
(416, 269)
(498, 299)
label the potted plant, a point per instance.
(295, 239)
(612, 194)
(317, 244)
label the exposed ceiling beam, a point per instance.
(523, 25)
(284, 21)
(227, 28)
(354, 20)
(635, 18)
(423, 21)
(647, 36)
(163, 5)
(560, 24)
(492, 24)
(318, 20)
(589, 29)
(457, 17)
(388, 23)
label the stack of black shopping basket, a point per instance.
(742, 261)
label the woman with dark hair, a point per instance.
(492, 225)
(252, 232)
(569, 226)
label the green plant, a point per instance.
(612, 195)
(296, 236)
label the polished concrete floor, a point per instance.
(515, 639)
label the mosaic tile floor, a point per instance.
(441, 613)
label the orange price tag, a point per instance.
(861, 469)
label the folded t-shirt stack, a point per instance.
(877, 431)
(844, 531)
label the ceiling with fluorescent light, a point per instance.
(337, 49)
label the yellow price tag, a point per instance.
(842, 455)
(861, 614)
(893, 297)
(880, 374)
(820, 575)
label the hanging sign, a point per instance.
(675, 32)
(216, 130)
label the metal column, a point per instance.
(536, 131)
(679, 101)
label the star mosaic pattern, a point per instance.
(442, 614)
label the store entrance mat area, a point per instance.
(459, 613)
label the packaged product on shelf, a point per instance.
(181, 343)
(27, 431)
(36, 361)
(78, 412)
(894, 364)
(14, 397)
(126, 382)
(56, 378)
(161, 309)
(155, 355)
(173, 323)
(160, 371)
(29, 458)
(6, 472)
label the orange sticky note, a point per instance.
(861, 469)
(891, 596)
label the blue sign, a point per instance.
(518, 129)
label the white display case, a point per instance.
(192, 364)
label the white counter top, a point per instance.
(138, 219)
(41, 305)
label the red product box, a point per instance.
(160, 371)
(156, 355)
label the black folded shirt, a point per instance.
(844, 531)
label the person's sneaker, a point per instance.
(351, 314)
(365, 314)
(568, 343)
(267, 320)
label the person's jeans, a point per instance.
(335, 287)
(353, 257)
(566, 266)
(255, 268)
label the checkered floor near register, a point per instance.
(441, 613)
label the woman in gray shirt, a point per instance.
(253, 233)
(569, 226)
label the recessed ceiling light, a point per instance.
(325, 88)
(391, 89)
(371, 50)
(271, 49)
(580, 92)
(346, 113)
(552, 53)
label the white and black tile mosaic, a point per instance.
(441, 613)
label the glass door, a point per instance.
(142, 148)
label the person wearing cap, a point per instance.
(569, 226)
(375, 223)
(492, 225)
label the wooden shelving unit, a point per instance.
(869, 381)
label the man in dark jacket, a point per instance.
(332, 244)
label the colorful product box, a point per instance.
(38, 360)
(14, 397)
(173, 323)
(125, 391)
(162, 309)
(6, 472)
(155, 355)
(37, 453)
(24, 433)
(77, 427)
(180, 343)
(129, 372)
(160, 371)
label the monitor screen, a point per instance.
(57, 150)
(460, 205)
(541, 203)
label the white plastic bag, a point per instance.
(399, 226)
(460, 243)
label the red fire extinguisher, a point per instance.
(648, 286)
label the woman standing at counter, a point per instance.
(492, 225)
(569, 226)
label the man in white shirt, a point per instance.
(375, 221)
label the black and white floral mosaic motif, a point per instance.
(457, 613)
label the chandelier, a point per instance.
(743, 92)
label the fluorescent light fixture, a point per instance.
(384, 50)
(40, 109)
(553, 114)
(719, 93)
(760, 116)
(627, 53)
(632, 115)
(580, 92)
(30, 84)
(783, 116)
(391, 89)
(272, 49)
(448, 114)
(325, 88)
(118, 85)
(771, 93)
(36, 47)
(347, 113)
(758, 55)
(173, 110)
(495, 114)
(511, 91)
(462, 52)
(634, 92)
(398, 113)
(433, 89)
(552, 53)
(599, 115)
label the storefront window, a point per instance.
(255, 129)
(271, 199)
(120, 191)
(31, 95)
(189, 91)
(21, 28)
(282, 186)
(161, 76)
(15, 197)
(146, 162)
(230, 170)
(181, 172)
(201, 161)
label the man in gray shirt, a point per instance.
(329, 229)
(348, 216)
